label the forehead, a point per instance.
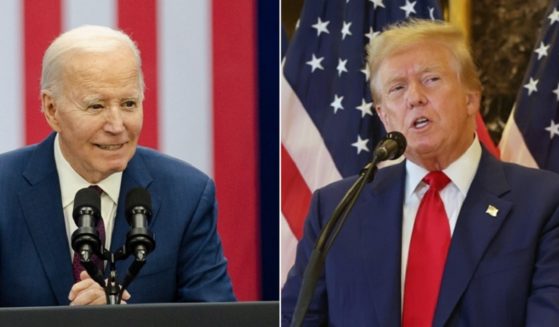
(115, 68)
(417, 58)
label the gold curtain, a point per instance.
(458, 12)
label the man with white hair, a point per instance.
(92, 91)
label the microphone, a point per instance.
(390, 147)
(86, 213)
(139, 239)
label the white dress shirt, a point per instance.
(71, 182)
(461, 173)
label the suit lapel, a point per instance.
(473, 233)
(135, 175)
(381, 241)
(42, 208)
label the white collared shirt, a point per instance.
(71, 182)
(461, 173)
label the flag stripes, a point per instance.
(140, 22)
(235, 122)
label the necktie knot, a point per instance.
(96, 188)
(437, 180)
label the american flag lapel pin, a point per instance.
(492, 211)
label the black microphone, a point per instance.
(390, 147)
(139, 239)
(86, 213)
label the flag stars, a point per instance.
(315, 63)
(532, 86)
(556, 91)
(554, 16)
(553, 129)
(365, 108)
(377, 3)
(321, 27)
(367, 72)
(341, 66)
(431, 12)
(345, 30)
(542, 50)
(372, 34)
(409, 8)
(361, 144)
(337, 103)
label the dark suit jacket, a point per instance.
(187, 263)
(500, 271)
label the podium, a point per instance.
(245, 314)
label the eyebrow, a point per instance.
(92, 98)
(99, 98)
(428, 69)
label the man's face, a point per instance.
(423, 98)
(98, 113)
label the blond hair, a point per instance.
(399, 37)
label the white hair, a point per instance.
(87, 38)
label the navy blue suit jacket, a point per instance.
(500, 271)
(187, 263)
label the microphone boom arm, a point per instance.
(325, 240)
(392, 146)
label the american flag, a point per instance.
(200, 65)
(531, 136)
(329, 124)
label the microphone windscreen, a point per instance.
(86, 197)
(400, 139)
(138, 197)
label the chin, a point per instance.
(114, 167)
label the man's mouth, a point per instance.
(421, 122)
(110, 147)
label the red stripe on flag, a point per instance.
(140, 22)
(235, 140)
(41, 24)
(295, 194)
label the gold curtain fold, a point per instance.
(458, 12)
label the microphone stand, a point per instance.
(139, 240)
(114, 290)
(326, 239)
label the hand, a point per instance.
(87, 292)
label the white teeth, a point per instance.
(421, 122)
(110, 147)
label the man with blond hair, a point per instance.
(449, 237)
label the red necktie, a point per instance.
(77, 267)
(427, 255)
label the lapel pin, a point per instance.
(492, 211)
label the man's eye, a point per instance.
(433, 79)
(129, 104)
(395, 88)
(95, 106)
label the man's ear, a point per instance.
(49, 109)
(382, 115)
(473, 99)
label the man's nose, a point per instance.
(114, 122)
(415, 95)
